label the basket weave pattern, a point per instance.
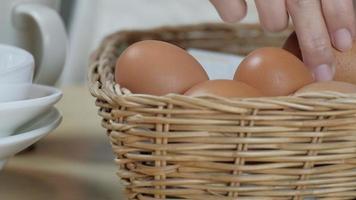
(179, 147)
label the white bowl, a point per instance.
(16, 65)
(28, 135)
(14, 114)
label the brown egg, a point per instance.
(291, 44)
(273, 71)
(346, 65)
(334, 86)
(157, 68)
(223, 88)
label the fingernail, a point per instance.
(226, 17)
(342, 39)
(323, 72)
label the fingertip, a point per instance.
(340, 20)
(324, 72)
(319, 56)
(230, 10)
(342, 39)
(232, 17)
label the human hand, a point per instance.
(319, 24)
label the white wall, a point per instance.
(94, 19)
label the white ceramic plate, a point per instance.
(14, 114)
(28, 135)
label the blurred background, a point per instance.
(89, 21)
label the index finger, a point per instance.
(313, 37)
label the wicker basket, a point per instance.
(179, 147)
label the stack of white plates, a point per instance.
(27, 110)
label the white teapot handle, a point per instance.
(53, 39)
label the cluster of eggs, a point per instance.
(159, 68)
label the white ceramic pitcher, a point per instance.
(36, 26)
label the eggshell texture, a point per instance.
(291, 44)
(157, 68)
(346, 65)
(334, 86)
(273, 71)
(223, 88)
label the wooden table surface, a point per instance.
(74, 162)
